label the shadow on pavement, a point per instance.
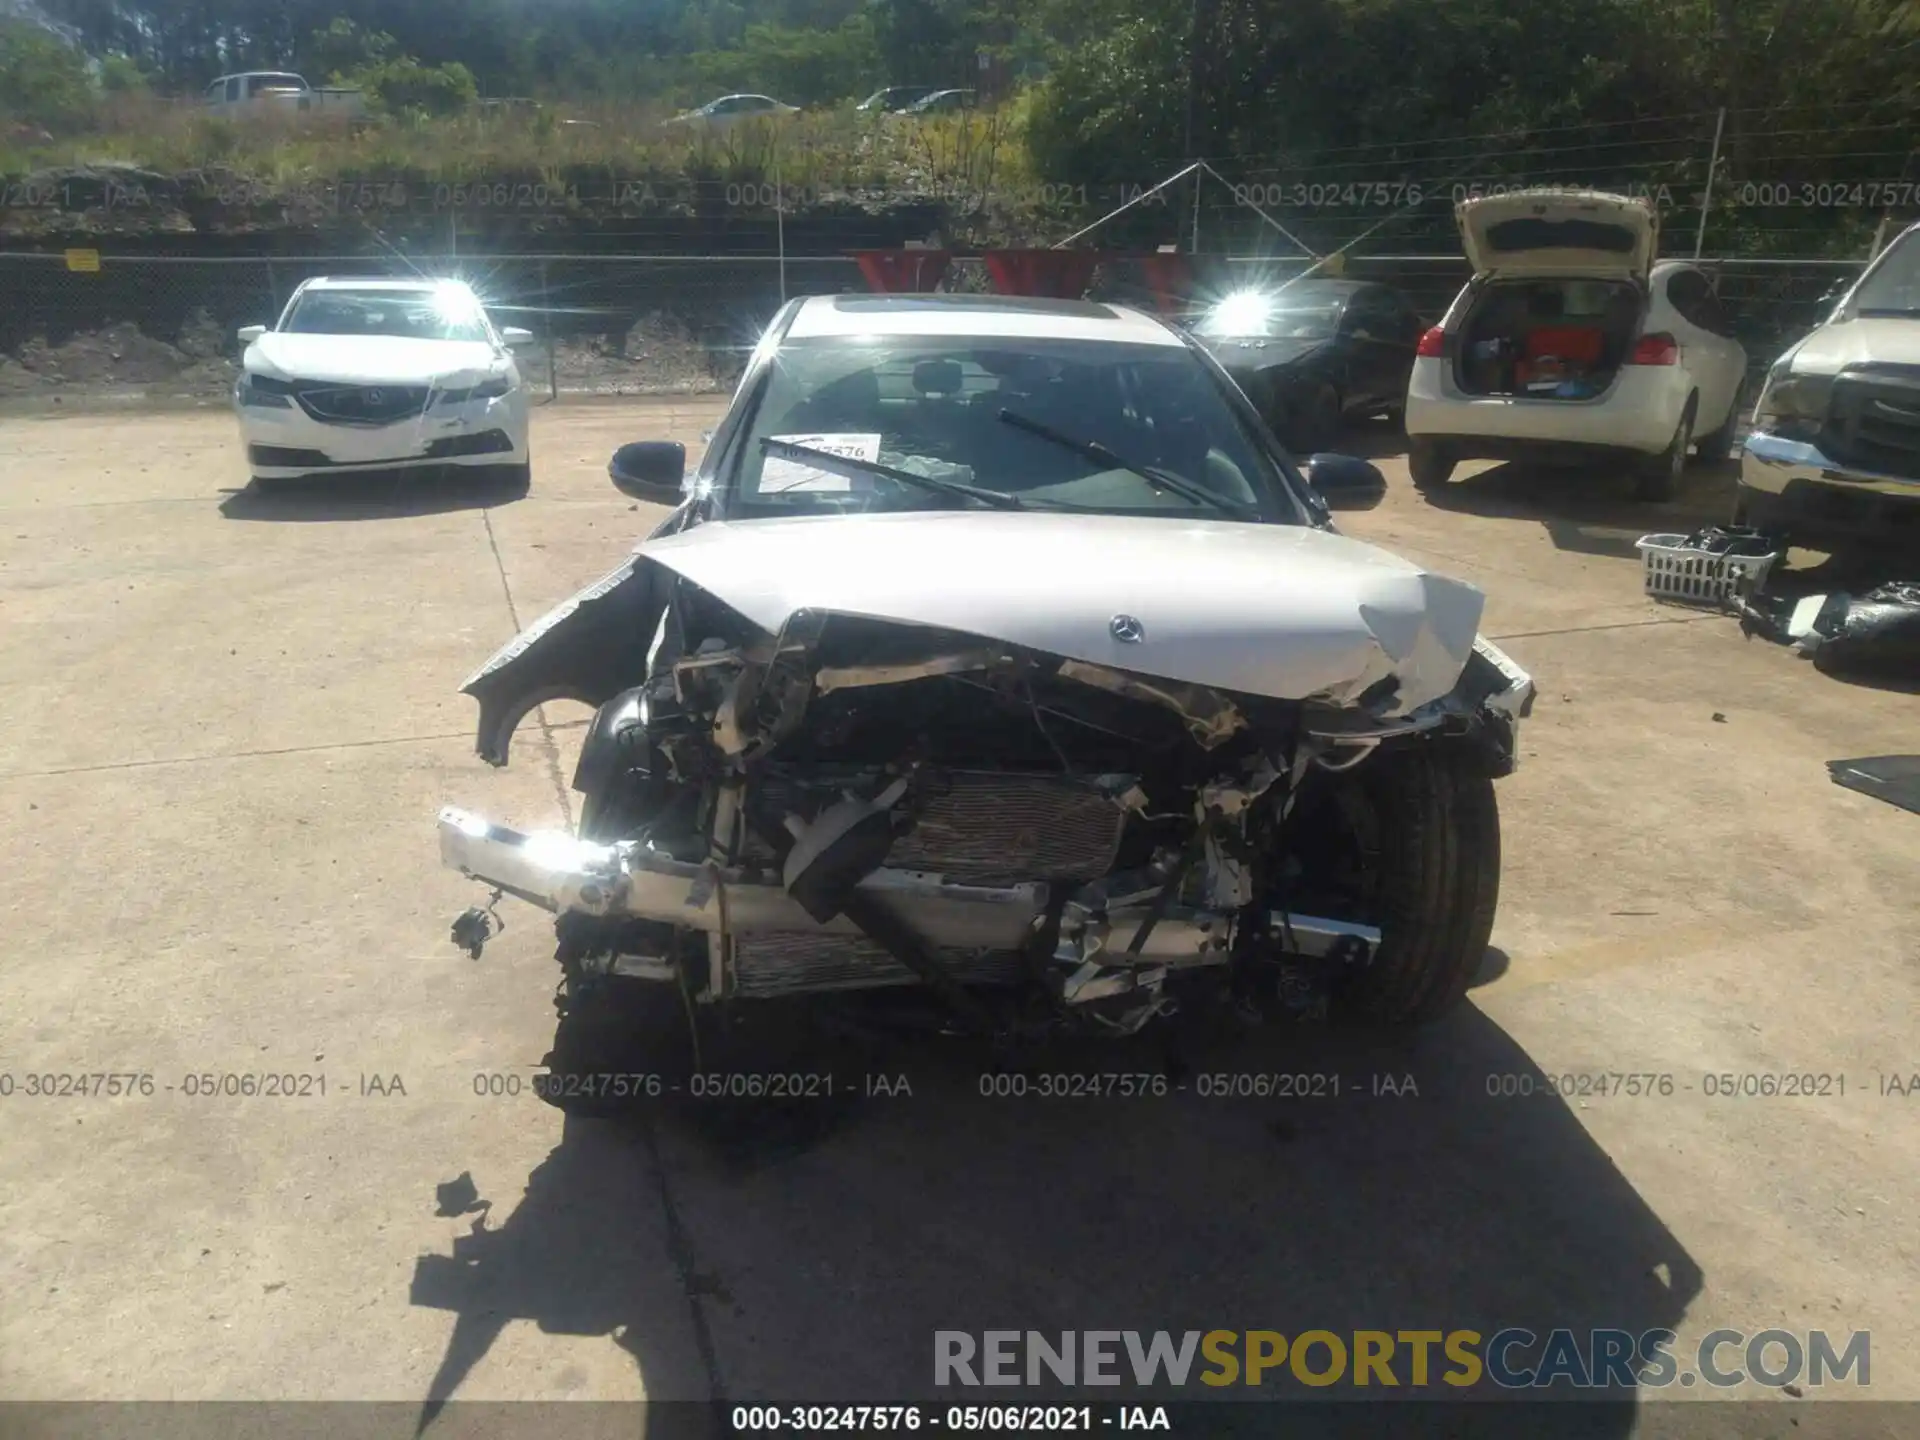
(373, 495)
(812, 1256)
(1370, 439)
(1495, 963)
(1590, 510)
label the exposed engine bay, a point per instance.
(859, 803)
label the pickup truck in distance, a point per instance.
(279, 92)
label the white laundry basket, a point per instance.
(1683, 568)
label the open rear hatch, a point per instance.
(1559, 293)
(1562, 233)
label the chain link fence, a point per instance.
(168, 326)
(610, 325)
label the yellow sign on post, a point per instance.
(84, 260)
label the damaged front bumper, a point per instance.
(1794, 487)
(562, 874)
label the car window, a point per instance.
(233, 89)
(933, 406)
(1893, 287)
(1372, 312)
(1689, 293)
(404, 314)
(1717, 319)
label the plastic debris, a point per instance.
(1892, 778)
(1879, 630)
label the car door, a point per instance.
(1373, 333)
(1714, 360)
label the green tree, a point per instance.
(344, 51)
(43, 80)
(406, 86)
(122, 75)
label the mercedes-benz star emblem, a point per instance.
(1127, 630)
(374, 397)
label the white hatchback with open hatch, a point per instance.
(1569, 342)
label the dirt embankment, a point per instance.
(121, 358)
(656, 356)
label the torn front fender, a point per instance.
(588, 648)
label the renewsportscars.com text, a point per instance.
(1513, 1359)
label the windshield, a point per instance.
(934, 407)
(1253, 316)
(409, 314)
(1894, 286)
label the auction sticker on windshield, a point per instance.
(782, 473)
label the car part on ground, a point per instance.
(1874, 633)
(1057, 751)
(1892, 778)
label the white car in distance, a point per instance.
(1570, 343)
(731, 110)
(370, 374)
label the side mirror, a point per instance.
(515, 335)
(650, 470)
(251, 333)
(1346, 482)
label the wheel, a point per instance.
(1713, 448)
(613, 1028)
(1430, 466)
(1659, 475)
(1419, 830)
(1317, 424)
(621, 1043)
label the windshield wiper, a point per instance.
(1098, 454)
(853, 465)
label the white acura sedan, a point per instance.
(366, 374)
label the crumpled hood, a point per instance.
(1831, 348)
(1274, 610)
(368, 359)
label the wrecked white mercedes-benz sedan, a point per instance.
(998, 651)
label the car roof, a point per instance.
(1322, 289)
(382, 282)
(1010, 316)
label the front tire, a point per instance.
(1434, 856)
(1717, 446)
(621, 1043)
